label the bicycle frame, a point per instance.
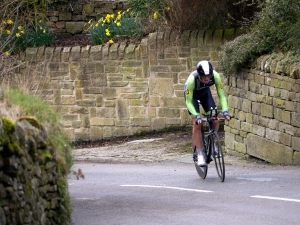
(211, 143)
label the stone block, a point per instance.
(173, 102)
(137, 111)
(240, 147)
(75, 27)
(161, 87)
(296, 143)
(296, 158)
(158, 123)
(122, 109)
(268, 150)
(267, 110)
(229, 140)
(258, 130)
(169, 112)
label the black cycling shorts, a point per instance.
(205, 97)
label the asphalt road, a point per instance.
(152, 193)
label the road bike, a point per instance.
(212, 144)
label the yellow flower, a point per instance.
(90, 22)
(128, 10)
(22, 31)
(107, 30)
(44, 31)
(19, 27)
(111, 41)
(119, 17)
(97, 24)
(107, 34)
(8, 31)
(40, 21)
(119, 13)
(4, 22)
(155, 15)
(18, 35)
(168, 9)
(112, 16)
(102, 24)
(10, 22)
(118, 24)
(1, 28)
(7, 53)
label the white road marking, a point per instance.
(144, 140)
(167, 187)
(275, 198)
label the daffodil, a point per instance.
(119, 12)
(19, 27)
(168, 9)
(107, 34)
(44, 31)
(155, 15)
(119, 17)
(112, 16)
(128, 10)
(97, 24)
(111, 41)
(22, 31)
(18, 35)
(118, 24)
(90, 22)
(106, 30)
(10, 22)
(7, 53)
(8, 31)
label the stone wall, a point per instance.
(119, 90)
(33, 186)
(265, 101)
(67, 18)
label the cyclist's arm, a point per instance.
(220, 91)
(189, 92)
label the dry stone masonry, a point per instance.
(33, 186)
(68, 18)
(265, 101)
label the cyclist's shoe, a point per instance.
(201, 158)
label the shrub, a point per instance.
(21, 26)
(277, 31)
(193, 15)
(16, 38)
(123, 25)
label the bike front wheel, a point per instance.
(201, 170)
(218, 156)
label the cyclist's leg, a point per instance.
(196, 132)
(208, 103)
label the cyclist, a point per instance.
(197, 89)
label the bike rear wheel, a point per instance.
(201, 170)
(219, 160)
